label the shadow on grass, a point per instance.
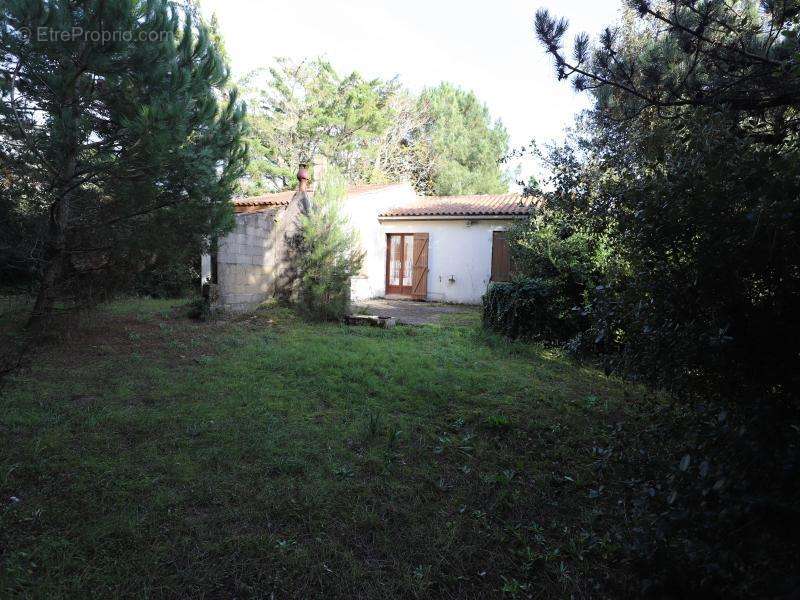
(260, 455)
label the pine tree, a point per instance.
(117, 133)
(329, 253)
(442, 141)
(466, 145)
(306, 109)
(732, 56)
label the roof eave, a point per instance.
(475, 217)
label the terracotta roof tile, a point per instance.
(473, 205)
(423, 206)
(277, 199)
(268, 201)
(283, 198)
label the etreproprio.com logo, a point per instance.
(47, 34)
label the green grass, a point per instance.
(146, 455)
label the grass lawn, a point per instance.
(146, 455)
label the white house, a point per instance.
(437, 248)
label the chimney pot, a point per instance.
(302, 177)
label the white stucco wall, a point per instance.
(457, 251)
(459, 256)
(205, 268)
(363, 210)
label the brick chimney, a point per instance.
(302, 177)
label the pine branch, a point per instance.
(674, 23)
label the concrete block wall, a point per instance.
(286, 230)
(255, 261)
(246, 261)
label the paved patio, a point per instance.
(408, 312)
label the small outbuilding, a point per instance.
(439, 248)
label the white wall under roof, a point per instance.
(363, 210)
(459, 249)
(459, 255)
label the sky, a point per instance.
(487, 46)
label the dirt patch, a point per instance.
(408, 312)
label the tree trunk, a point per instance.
(56, 252)
(55, 257)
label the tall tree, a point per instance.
(117, 132)
(329, 252)
(301, 110)
(467, 147)
(401, 152)
(373, 131)
(689, 166)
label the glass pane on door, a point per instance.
(395, 259)
(408, 262)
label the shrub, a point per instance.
(167, 278)
(199, 309)
(548, 246)
(530, 308)
(328, 253)
(558, 267)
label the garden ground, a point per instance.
(409, 312)
(144, 454)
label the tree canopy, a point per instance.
(119, 139)
(740, 55)
(467, 147)
(306, 109)
(668, 248)
(688, 167)
(372, 130)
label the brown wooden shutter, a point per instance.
(419, 287)
(501, 257)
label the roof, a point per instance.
(277, 199)
(472, 205)
(283, 198)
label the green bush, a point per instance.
(199, 309)
(531, 308)
(328, 253)
(703, 289)
(167, 278)
(550, 247)
(558, 269)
